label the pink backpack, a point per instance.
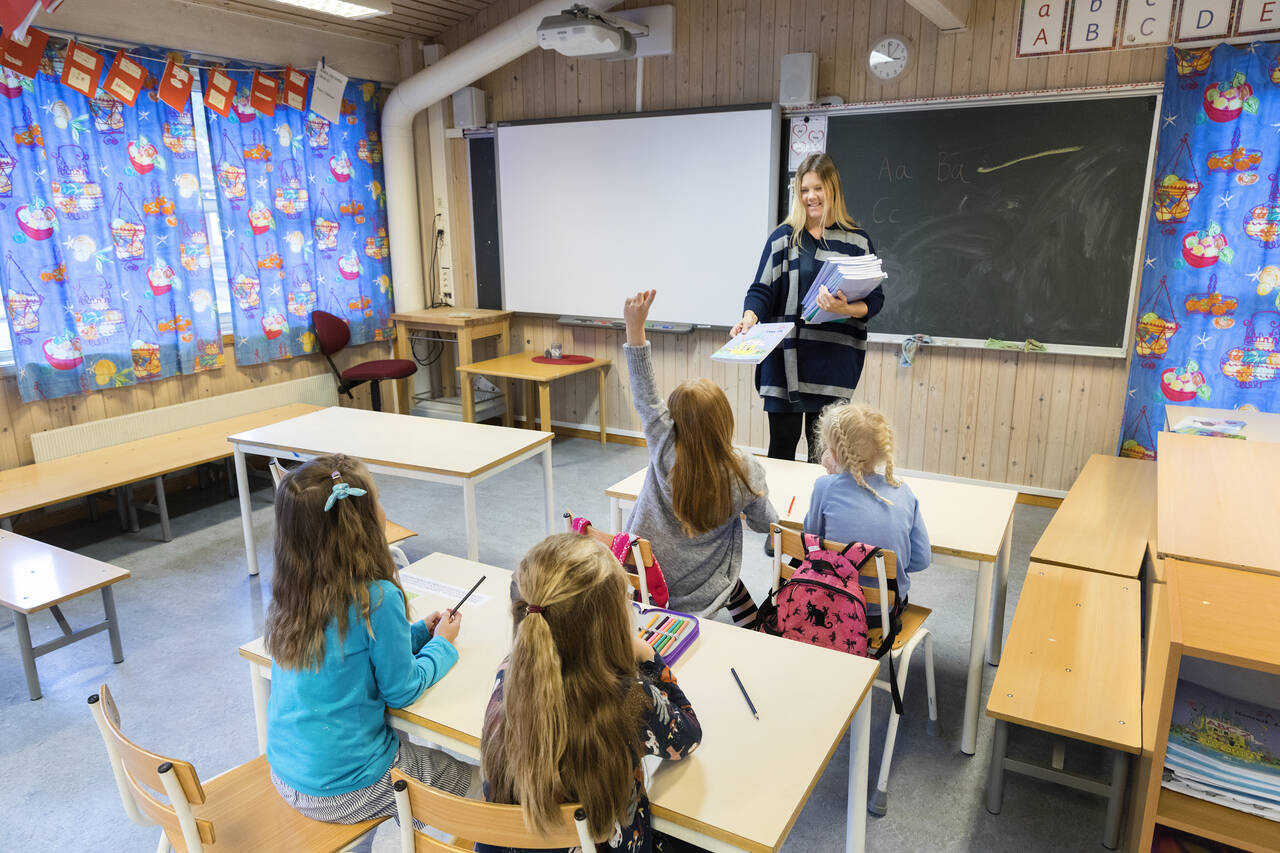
(621, 548)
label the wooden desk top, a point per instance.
(1104, 522)
(391, 440)
(1225, 615)
(1258, 426)
(964, 519)
(521, 365)
(1216, 501)
(1071, 661)
(708, 791)
(32, 486)
(34, 575)
(450, 318)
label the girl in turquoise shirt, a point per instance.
(344, 650)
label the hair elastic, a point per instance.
(533, 608)
(341, 491)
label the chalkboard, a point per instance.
(484, 221)
(1007, 221)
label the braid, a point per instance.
(859, 439)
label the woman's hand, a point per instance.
(643, 650)
(635, 311)
(837, 304)
(748, 320)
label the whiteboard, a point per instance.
(592, 211)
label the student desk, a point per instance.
(965, 520)
(1216, 501)
(521, 366)
(34, 577)
(468, 324)
(422, 448)
(1258, 426)
(708, 798)
(1103, 524)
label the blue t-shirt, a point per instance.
(327, 732)
(843, 511)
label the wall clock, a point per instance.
(889, 57)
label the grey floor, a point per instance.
(183, 690)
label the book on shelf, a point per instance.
(854, 277)
(751, 346)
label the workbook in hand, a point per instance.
(855, 277)
(754, 344)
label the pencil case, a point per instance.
(684, 638)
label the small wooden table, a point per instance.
(1216, 501)
(705, 799)
(469, 325)
(1258, 426)
(1104, 523)
(522, 366)
(35, 576)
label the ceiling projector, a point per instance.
(579, 31)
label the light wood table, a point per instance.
(965, 520)
(1104, 523)
(521, 366)
(706, 799)
(34, 577)
(1258, 426)
(421, 448)
(468, 325)
(1216, 501)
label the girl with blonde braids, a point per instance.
(580, 700)
(860, 499)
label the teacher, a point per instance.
(816, 364)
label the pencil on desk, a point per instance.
(750, 704)
(791, 505)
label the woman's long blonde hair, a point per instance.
(706, 465)
(860, 440)
(833, 194)
(568, 727)
(325, 561)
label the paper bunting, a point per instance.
(82, 69)
(295, 89)
(125, 79)
(219, 92)
(264, 93)
(22, 53)
(175, 85)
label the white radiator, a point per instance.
(319, 390)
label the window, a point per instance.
(6, 344)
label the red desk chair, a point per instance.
(333, 334)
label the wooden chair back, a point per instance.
(639, 559)
(476, 821)
(789, 543)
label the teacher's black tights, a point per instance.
(784, 434)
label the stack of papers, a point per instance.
(854, 277)
(1224, 750)
(1216, 427)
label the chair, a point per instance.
(638, 564)
(395, 532)
(791, 543)
(333, 334)
(480, 822)
(236, 810)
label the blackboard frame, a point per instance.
(1017, 98)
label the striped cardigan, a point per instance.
(823, 358)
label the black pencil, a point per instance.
(465, 597)
(750, 704)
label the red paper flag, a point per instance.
(23, 53)
(219, 92)
(125, 79)
(175, 86)
(82, 69)
(51, 5)
(263, 94)
(295, 89)
(16, 15)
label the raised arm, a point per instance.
(644, 385)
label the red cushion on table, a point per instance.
(564, 359)
(386, 368)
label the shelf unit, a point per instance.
(1212, 613)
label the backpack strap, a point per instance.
(890, 633)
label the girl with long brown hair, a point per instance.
(580, 700)
(343, 650)
(698, 484)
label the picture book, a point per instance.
(754, 344)
(1215, 427)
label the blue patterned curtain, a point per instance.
(304, 221)
(105, 265)
(1208, 329)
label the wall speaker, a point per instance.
(468, 108)
(798, 83)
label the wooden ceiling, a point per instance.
(423, 19)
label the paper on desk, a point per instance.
(416, 584)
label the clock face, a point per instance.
(889, 57)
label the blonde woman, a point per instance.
(581, 700)
(821, 363)
(860, 499)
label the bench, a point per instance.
(34, 577)
(1071, 667)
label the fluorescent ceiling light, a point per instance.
(344, 8)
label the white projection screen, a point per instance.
(591, 211)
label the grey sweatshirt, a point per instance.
(701, 570)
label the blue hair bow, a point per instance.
(342, 491)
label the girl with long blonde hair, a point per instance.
(698, 486)
(580, 700)
(343, 650)
(860, 499)
(819, 363)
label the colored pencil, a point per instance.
(750, 704)
(791, 505)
